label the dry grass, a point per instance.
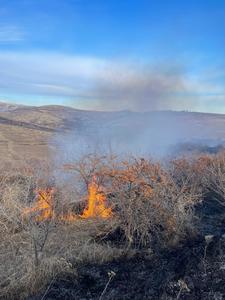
(31, 252)
(153, 207)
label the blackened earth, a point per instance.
(194, 270)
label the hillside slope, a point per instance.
(29, 132)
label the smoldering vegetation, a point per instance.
(163, 237)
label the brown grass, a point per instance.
(153, 207)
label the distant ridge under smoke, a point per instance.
(106, 84)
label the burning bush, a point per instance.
(139, 203)
(148, 204)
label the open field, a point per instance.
(109, 226)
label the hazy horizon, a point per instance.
(19, 103)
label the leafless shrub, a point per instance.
(215, 178)
(191, 172)
(34, 251)
(22, 239)
(151, 207)
(148, 203)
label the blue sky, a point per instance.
(111, 54)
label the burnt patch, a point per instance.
(189, 272)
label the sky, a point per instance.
(114, 54)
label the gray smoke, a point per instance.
(142, 88)
(153, 134)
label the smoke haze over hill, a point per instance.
(107, 84)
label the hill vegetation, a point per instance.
(111, 226)
(162, 236)
(28, 133)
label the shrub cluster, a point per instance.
(153, 207)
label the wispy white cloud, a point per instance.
(105, 84)
(10, 34)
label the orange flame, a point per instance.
(96, 203)
(44, 210)
(44, 205)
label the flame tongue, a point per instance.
(44, 210)
(44, 205)
(96, 203)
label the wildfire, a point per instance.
(44, 205)
(96, 203)
(44, 208)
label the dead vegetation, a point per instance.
(153, 208)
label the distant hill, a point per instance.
(30, 132)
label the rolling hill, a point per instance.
(30, 132)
